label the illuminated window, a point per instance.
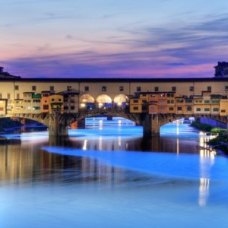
(104, 99)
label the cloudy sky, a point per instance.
(113, 38)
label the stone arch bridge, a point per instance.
(58, 123)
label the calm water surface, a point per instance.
(112, 177)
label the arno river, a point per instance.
(112, 177)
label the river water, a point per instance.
(112, 177)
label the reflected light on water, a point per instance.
(164, 164)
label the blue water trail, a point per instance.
(187, 166)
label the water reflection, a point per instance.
(112, 177)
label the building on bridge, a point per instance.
(171, 103)
(33, 95)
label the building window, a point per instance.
(45, 107)
(215, 109)
(0, 96)
(33, 88)
(72, 107)
(104, 89)
(65, 107)
(52, 88)
(8, 95)
(69, 88)
(18, 96)
(135, 108)
(86, 88)
(198, 109)
(121, 88)
(179, 108)
(16, 87)
(209, 88)
(191, 88)
(171, 109)
(156, 89)
(138, 88)
(206, 109)
(174, 88)
(189, 108)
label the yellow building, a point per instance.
(224, 107)
(136, 105)
(158, 103)
(3, 103)
(56, 103)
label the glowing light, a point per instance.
(100, 124)
(85, 144)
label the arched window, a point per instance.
(121, 100)
(87, 101)
(104, 100)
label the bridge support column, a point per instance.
(151, 125)
(56, 127)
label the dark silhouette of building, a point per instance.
(221, 70)
(6, 75)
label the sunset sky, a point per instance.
(113, 38)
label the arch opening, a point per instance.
(104, 101)
(121, 101)
(87, 101)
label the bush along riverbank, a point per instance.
(220, 142)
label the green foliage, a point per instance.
(201, 126)
(217, 130)
(221, 141)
